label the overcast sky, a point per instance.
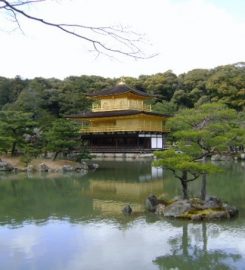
(186, 34)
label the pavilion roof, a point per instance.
(119, 89)
(114, 114)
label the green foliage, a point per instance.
(53, 98)
(192, 88)
(10, 89)
(211, 128)
(181, 99)
(196, 134)
(224, 84)
(162, 85)
(15, 128)
(82, 154)
(5, 142)
(179, 161)
(28, 153)
(164, 107)
(33, 99)
(227, 84)
(63, 136)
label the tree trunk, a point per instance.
(204, 184)
(184, 185)
(13, 148)
(55, 155)
(204, 187)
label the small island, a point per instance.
(193, 209)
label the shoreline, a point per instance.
(15, 164)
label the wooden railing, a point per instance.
(98, 108)
(122, 129)
(124, 149)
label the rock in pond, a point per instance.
(212, 203)
(30, 168)
(177, 208)
(43, 167)
(93, 166)
(194, 209)
(84, 166)
(67, 168)
(5, 166)
(151, 203)
(127, 210)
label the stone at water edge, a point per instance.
(84, 166)
(93, 166)
(67, 168)
(43, 167)
(212, 203)
(151, 203)
(231, 210)
(160, 208)
(216, 157)
(30, 168)
(5, 166)
(127, 210)
(177, 208)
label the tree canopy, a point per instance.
(196, 134)
(56, 98)
(16, 128)
(62, 137)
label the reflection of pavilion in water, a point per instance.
(112, 191)
(112, 196)
(127, 171)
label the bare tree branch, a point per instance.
(15, 19)
(126, 41)
(20, 3)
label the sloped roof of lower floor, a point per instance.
(114, 114)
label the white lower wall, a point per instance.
(156, 142)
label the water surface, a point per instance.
(75, 222)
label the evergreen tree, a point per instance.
(62, 137)
(195, 135)
(16, 128)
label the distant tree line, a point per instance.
(31, 109)
(56, 98)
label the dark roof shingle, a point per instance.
(114, 113)
(118, 90)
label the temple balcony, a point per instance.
(111, 129)
(118, 107)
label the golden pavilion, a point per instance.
(121, 121)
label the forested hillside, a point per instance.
(52, 98)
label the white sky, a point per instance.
(187, 34)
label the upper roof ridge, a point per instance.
(122, 81)
(120, 88)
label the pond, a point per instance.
(75, 222)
